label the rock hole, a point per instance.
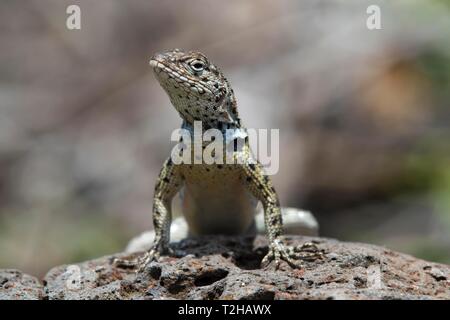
(175, 288)
(209, 277)
(155, 272)
(260, 295)
(215, 292)
(249, 261)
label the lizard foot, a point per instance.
(153, 254)
(279, 251)
(308, 252)
(292, 255)
(125, 263)
(140, 263)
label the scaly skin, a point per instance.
(218, 199)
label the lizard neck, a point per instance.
(231, 130)
(232, 122)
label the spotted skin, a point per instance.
(217, 198)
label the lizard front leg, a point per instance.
(168, 184)
(261, 187)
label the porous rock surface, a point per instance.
(15, 285)
(229, 268)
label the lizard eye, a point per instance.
(197, 66)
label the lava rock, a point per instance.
(15, 285)
(229, 268)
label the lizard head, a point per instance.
(195, 86)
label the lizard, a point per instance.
(217, 198)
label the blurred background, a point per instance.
(84, 126)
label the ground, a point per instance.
(229, 268)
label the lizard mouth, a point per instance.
(158, 66)
(153, 63)
(163, 72)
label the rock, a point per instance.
(15, 285)
(229, 268)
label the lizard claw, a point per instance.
(125, 263)
(150, 255)
(292, 255)
(277, 252)
(308, 252)
(153, 255)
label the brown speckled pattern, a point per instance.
(200, 92)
